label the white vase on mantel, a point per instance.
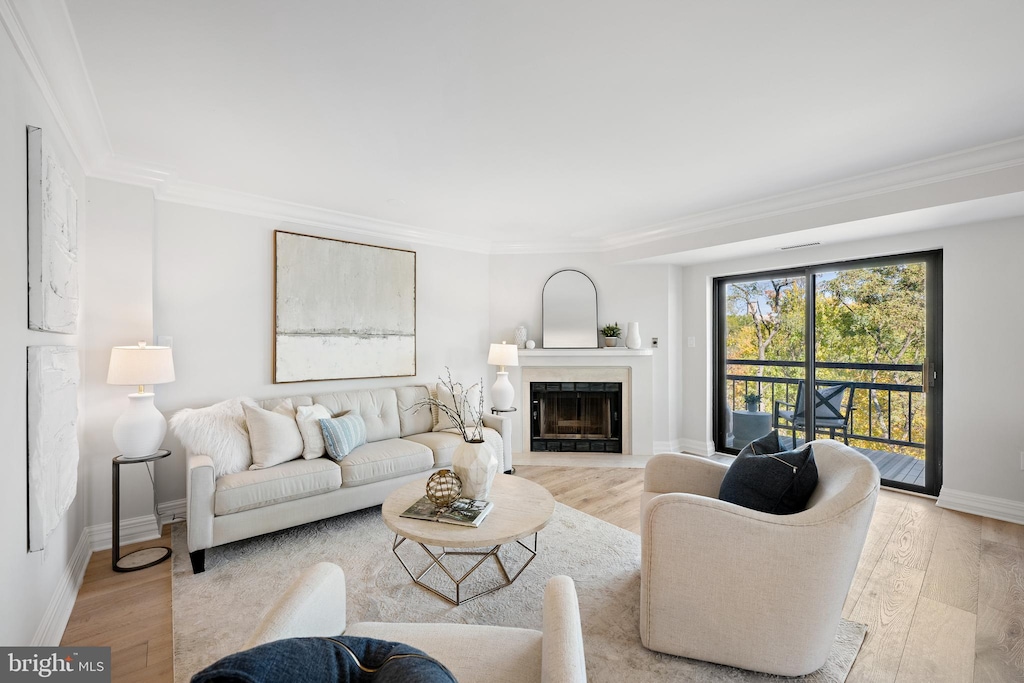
(633, 340)
(475, 464)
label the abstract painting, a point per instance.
(52, 438)
(342, 310)
(52, 240)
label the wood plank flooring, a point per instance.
(942, 592)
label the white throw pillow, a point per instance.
(273, 434)
(218, 431)
(469, 409)
(308, 419)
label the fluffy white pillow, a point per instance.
(308, 418)
(218, 431)
(273, 434)
(469, 409)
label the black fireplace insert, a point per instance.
(581, 417)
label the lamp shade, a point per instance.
(140, 365)
(503, 354)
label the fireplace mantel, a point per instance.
(638, 367)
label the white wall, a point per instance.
(982, 427)
(28, 581)
(214, 290)
(625, 293)
(118, 312)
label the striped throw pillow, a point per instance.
(343, 434)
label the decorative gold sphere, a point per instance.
(444, 488)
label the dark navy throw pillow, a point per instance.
(765, 479)
(342, 659)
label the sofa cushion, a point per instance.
(273, 434)
(308, 419)
(377, 407)
(385, 459)
(443, 444)
(762, 479)
(413, 419)
(288, 481)
(343, 434)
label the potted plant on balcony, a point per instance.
(752, 400)
(611, 334)
(460, 409)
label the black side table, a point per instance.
(147, 557)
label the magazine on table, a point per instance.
(464, 511)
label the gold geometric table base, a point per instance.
(484, 555)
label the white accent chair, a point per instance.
(314, 605)
(734, 586)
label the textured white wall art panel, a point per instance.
(343, 310)
(53, 377)
(52, 240)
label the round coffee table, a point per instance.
(521, 508)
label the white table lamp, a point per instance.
(141, 429)
(502, 392)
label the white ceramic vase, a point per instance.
(520, 337)
(476, 466)
(633, 336)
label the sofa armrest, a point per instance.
(314, 605)
(503, 425)
(200, 489)
(562, 658)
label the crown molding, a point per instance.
(45, 39)
(210, 197)
(956, 165)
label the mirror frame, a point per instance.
(589, 336)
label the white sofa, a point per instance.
(315, 605)
(400, 447)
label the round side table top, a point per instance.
(521, 508)
(162, 453)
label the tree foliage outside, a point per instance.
(872, 316)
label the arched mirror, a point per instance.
(569, 310)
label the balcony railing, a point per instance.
(886, 412)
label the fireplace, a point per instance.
(576, 417)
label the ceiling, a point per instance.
(593, 123)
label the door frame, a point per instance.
(933, 350)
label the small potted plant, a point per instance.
(611, 334)
(752, 400)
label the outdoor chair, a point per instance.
(831, 412)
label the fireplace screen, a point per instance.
(576, 416)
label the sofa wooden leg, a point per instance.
(198, 558)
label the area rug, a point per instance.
(216, 611)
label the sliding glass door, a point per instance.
(857, 360)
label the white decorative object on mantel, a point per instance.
(53, 377)
(52, 240)
(530, 344)
(476, 466)
(633, 340)
(520, 337)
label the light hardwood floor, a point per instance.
(942, 592)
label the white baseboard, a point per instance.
(673, 446)
(172, 511)
(696, 447)
(985, 506)
(133, 530)
(58, 612)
